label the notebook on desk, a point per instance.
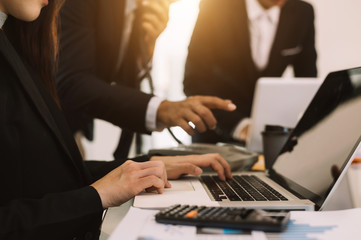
(278, 101)
(309, 167)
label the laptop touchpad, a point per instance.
(180, 185)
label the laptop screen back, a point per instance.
(279, 101)
(324, 140)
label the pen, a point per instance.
(220, 231)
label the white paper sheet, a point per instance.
(140, 224)
(328, 225)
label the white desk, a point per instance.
(113, 218)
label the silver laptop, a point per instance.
(278, 101)
(309, 167)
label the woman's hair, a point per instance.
(37, 42)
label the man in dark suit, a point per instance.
(102, 56)
(226, 54)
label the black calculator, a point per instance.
(225, 217)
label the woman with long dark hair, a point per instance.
(48, 191)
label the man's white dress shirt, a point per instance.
(262, 25)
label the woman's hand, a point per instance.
(191, 164)
(129, 179)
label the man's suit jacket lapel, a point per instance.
(31, 89)
(287, 22)
(239, 20)
(242, 36)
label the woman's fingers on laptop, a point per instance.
(218, 164)
(215, 161)
(182, 168)
(128, 180)
(177, 166)
(224, 163)
(154, 168)
(191, 164)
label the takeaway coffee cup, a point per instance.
(273, 137)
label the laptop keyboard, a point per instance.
(241, 188)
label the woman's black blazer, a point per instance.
(45, 190)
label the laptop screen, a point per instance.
(324, 140)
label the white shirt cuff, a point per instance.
(240, 126)
(151, 114)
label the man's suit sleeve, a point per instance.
(80, 89)
(305, 64)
